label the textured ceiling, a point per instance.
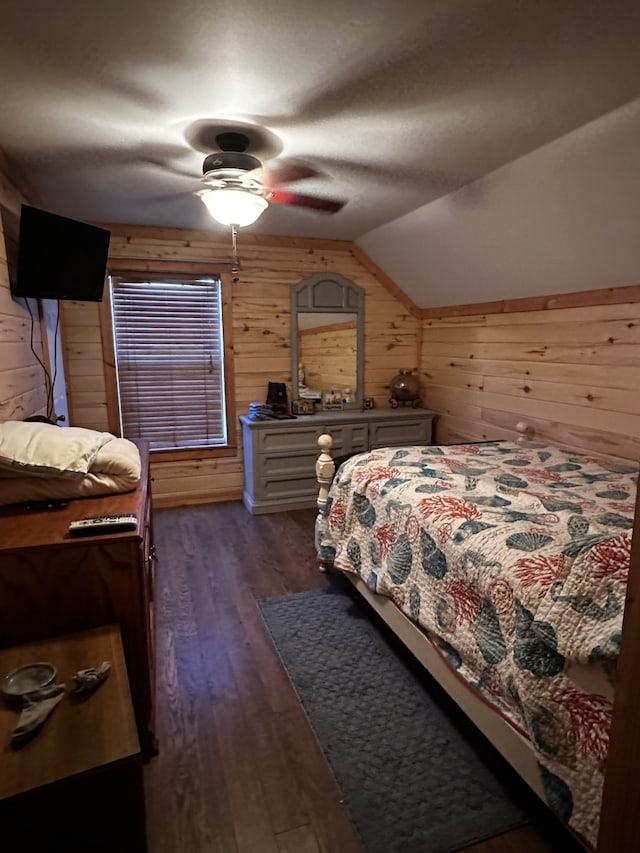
(107, 107)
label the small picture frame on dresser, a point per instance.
(303, 407)
(332, 399)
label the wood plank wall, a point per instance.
(571, 372)
(22, 386)
(261, 335)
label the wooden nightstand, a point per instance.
(77, 785)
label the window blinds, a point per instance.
(169, 362)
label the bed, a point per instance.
(503, 566)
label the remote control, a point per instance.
(103, 524)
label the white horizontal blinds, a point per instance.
(169, 362)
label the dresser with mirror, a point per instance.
(327, 369)
(327, 342)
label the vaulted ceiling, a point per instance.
(407, 111)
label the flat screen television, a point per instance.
(59, 258)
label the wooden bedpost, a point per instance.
(325, 469)
(526, 432)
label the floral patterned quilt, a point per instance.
(514, 560)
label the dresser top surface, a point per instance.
(345, 416)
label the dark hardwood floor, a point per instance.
(239, 770)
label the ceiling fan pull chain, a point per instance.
(235, 265)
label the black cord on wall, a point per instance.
(48, 384)
(55, 364)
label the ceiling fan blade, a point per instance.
(326, 205)
(170, 197)
(284, 173)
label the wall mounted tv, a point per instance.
(59, 258)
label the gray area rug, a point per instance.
(411, 782)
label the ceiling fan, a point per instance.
(239, 188)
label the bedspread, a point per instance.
(514, 560)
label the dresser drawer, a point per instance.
(295, 441)
(290, 440)
(356, 440)
(394, 433)
(351, 438)
(291, 487)
(278, 465)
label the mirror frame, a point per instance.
(328, 293)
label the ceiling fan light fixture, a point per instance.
(233, 205)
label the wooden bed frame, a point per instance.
(619, 830)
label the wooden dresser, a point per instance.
(280, 455)
(53, 584)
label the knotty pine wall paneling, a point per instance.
(22, 385)
(270, 267)
(86, 386)
(571, 372)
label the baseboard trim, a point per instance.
(194, 498)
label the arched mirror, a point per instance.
(327, 342)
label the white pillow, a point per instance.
(39, 449)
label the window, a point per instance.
(170, 366)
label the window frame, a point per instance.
(145, 272)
